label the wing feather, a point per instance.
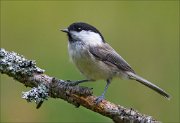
(108, 54)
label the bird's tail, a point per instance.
(148, 84)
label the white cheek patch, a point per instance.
(87, 37)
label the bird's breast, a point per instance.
(88, 65)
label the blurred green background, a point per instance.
(146, 34)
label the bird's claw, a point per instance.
(73, 83)
(99, 99)
(77, 82)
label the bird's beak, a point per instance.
(65, 30)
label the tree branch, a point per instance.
(44, 86)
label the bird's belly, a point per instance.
(93, 69)
(88, 65)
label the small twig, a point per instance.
(44, 86)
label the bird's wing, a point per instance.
(108, 54)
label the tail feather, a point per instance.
(148, 84)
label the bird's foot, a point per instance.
(77, 82)
(99, 99)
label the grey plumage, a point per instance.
(148, 84)
(98, 60)
(109, 55)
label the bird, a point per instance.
(97, 60)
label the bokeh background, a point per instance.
(145, 33)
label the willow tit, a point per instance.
(96, 59)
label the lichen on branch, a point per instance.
(44, 86)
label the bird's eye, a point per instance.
(79, 29)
